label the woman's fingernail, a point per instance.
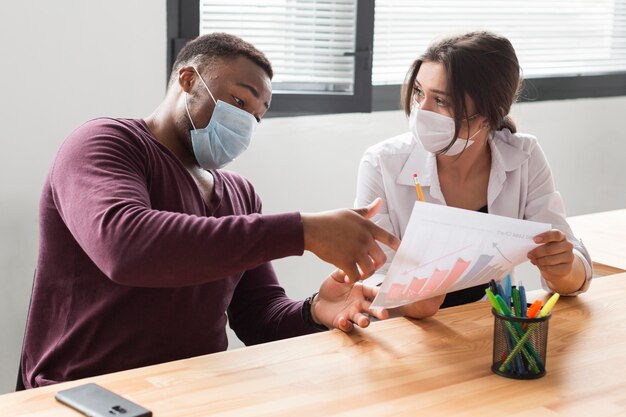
(538, 239)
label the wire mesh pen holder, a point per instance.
(519, 346)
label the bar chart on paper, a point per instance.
(446, 249)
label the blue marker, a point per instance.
(522, 296)
(500, 290)
(508, 292)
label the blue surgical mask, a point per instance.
(227, 135)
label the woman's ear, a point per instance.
(484, 123)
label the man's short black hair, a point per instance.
(203, 51)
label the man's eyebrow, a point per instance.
(434, 91)
(254, 92)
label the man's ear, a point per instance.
(186, 78)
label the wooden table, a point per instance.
(604, 235)
(434, 367)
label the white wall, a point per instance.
(63, 62)
(69, 61)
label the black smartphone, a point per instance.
(94, 401)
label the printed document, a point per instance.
(446, 249)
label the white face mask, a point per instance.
(435, 131)
(227, 135)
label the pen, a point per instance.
(493, 301)
(513, 337)
(507, 289)
(500, 289)
(498, 308)
(533, 309)
(517, 302)
(498, 305)
(532, 312)
(542, 313)
(549, 305)
(523, 301)
(493, 287)
(503, 306)
(418, 188)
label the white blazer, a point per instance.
(520, 186)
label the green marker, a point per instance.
(497, 305)
(517, 302)
(544, 312)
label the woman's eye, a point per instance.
(441, 102)
(239, 101)
(418, 91)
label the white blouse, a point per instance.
(520, 186)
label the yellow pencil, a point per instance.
(418, 188)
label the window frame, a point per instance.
(183, 25)
(387, 97)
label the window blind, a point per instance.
(551, 37)
(308, 42)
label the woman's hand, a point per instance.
(554, 257)
(343, 305)
(562, 270)
(420, 309)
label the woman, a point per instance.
(465, 148)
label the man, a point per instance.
(147, 246)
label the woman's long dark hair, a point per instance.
(481, 65)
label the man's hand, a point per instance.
(348, 240)
(342, 305)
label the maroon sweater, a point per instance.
(135, 268)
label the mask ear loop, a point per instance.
(188, 114)
(186, 97)
(475, 133)
(205, 86)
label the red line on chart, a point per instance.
(433, 282)
(459, 267)
(414, 288)
(435, 260)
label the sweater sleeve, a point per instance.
(100, 185)
(261, 312)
